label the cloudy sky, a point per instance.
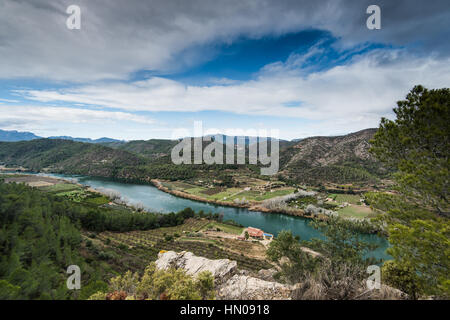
(141, 69)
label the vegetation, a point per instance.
(140, 161)
(145, 245)
(337, 273)
(43, 232)
(37, 243)
(337, 160)
(416, 146)
(40, 237)
(172, 284)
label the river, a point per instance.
(155, 200)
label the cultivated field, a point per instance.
(145, 245)
(251, 190)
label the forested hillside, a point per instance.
(40, 236)
(67, 156)
(313, 161)
(152, 149)
(341, 159)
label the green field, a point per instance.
(226, 194)
(76, 193)
(225, 227)
(61, 187)
(355, 212)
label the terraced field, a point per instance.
(145, 245)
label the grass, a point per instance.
(350, 198)
(61, 187)
(100, 200)
(276, 193)
(355, 212)
(225, 227)
(228, 194)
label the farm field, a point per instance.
(145, 245)
(251, 191)
(62, 188)
(349, 198)
(225, 227)
(354, 211)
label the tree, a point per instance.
(342, 244)
(403, 277)
(295, 263)
(338, 272)
(416, 146)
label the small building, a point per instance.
(255, 233)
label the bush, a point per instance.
(107, 255)
(172, 284)
(402, 277)
(122, 246)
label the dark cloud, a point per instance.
(120, 37)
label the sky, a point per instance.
(146, 69)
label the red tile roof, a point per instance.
(254, 232)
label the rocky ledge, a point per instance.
(231, 283)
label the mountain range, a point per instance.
(13, 136)
(313, 161)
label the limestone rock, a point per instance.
(231, 283)
(267, 274)
(241, 287)
(221, 269)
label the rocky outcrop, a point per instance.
(231, 283)
(234, 284)
(242, 287)
(221, 269)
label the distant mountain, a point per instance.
(13, 136)
(87, 140)
(16, 136)
(311, 161)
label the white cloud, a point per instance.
(367, 87)
(36, 114)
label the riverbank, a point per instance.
(251, 205)
(359, 225)
(139, 198)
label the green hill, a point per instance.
(312, 161)
(67, 156)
